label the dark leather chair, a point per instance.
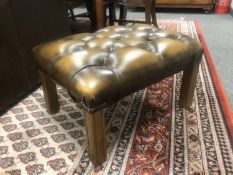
(149, 5)
(72, 4)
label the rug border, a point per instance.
(225, 106)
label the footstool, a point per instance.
(97, 69)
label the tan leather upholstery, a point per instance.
(102, 67)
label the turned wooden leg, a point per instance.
(123, 14)
(50, 94)
(188, 84)
(96, 137)
(148, 12)
(112, 15)
(153, 14)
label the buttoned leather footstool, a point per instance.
(99, 68)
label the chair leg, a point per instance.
(123, 14)
(153, 13)
(112, 13)
(188, 84)
(148, 12)
(50, 94)
(96, 137)
(91, 13)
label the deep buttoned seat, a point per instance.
(99, 68)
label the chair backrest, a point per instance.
(149, 5)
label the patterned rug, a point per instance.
(148, 133)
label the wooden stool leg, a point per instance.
(96, 137)
(50, 94)
(188, 84)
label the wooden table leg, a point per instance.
(99, 13)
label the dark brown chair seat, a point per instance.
(100, 68)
